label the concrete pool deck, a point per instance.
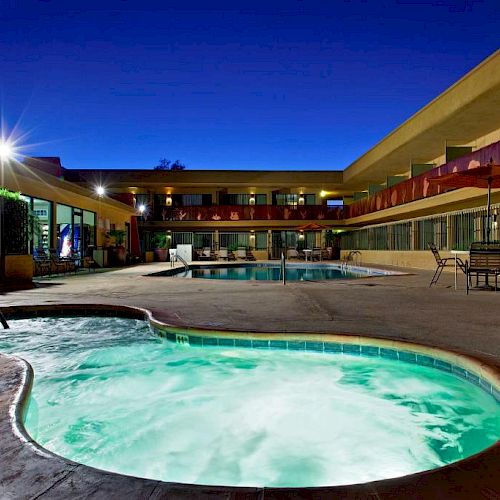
(396, 307)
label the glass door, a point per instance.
(77, 232)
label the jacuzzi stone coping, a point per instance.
(29, 471)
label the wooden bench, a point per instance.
(484, 260)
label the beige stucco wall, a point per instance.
(40, 185)
(407, 259)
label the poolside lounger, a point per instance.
(223, 254)
(250, 256)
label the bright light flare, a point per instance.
(100, 190)
(7, 151)
(141, 208)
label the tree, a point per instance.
(165, 164)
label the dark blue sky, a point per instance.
(308, 84)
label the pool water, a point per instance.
(110, 394)
(272, 272)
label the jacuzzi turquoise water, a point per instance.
(111, 394)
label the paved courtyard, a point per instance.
(401, 307)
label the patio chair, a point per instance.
(484, 261)
(88, 259)
(442, 263)
(42, 265)
(241, 253)
(58, 264)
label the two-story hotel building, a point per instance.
(382, 204)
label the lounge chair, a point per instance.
(206, 254)
(250, 256)
(241, 253)
(442, 263)
(223, 254)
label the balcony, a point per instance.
(223, 213)
(419, 187)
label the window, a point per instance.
(290, 200)
(191, 200)
(261, 240)
(335, 203)
(88, 229)
(42, 220)
(76, 230)
(310, 199)
(237, 199)
(227, 240)
(64, 224)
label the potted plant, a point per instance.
(332, 241)
(160, 243)
(117, 252)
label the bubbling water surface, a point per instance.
(110, 394)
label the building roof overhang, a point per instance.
(464, 112)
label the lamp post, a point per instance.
(100, 191)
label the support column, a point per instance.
(216, 240)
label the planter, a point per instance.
(117, 256)
(18, 268)
(161, 254)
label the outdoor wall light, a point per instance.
(141, 208)
(251, 200)
(100, 190)
(323, 193)
(168, 200)
(301, 199)
(301, 235)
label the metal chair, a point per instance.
(58, 264)
(442, 263)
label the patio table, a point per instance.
(455, 254)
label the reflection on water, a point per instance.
(267, 273)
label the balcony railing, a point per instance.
(419, 187)
(216, 213)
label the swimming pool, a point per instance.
(272, 272)
(111, 394)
